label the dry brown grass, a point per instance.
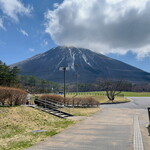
(75, 101)
(103, 99)
(17, 124)
(81, 111)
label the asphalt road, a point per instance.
(136, 103)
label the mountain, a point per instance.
(88, 64)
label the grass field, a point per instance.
(103, 93)
(136, 94)
(101, 96)
(17, 124)
(81, 111)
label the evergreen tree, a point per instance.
(8, 76)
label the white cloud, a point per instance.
(14, 8)
(24, 32)
(105, 26)
(55, 5)
(1, 24)
(31, 50)
(144, 52)
(45, 43)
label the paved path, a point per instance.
(109, 129)
(136, 103)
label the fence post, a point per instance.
(149, 113)
(45, 103)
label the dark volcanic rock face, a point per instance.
(90, 65)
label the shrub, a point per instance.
(55, 98)
(85, 102)
(12, 96)
(76, 101)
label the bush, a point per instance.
(85, 102)
(55, 98)
(12, 96)
(76, 101)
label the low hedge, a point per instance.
(55, 98)
(85, 102)
(76, 101)
(12, 96)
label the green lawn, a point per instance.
(102, 93)
(102, 98)
(136, 94)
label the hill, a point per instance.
(18, 123)
(88, 64)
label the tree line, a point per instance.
(36, 85)
(99, 85)
(10, 77)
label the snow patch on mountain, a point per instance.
(86, 61)
(90, 66)
(79, 51)
(58, 65)
(72, 59)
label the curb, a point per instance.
(114, 103)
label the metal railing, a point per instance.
(50, 103)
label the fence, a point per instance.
(92, 94)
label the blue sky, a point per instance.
(16, 46)
(116, 28)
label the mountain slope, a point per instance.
(90, 65)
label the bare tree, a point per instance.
(113, 88)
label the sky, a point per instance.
(117, 28)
